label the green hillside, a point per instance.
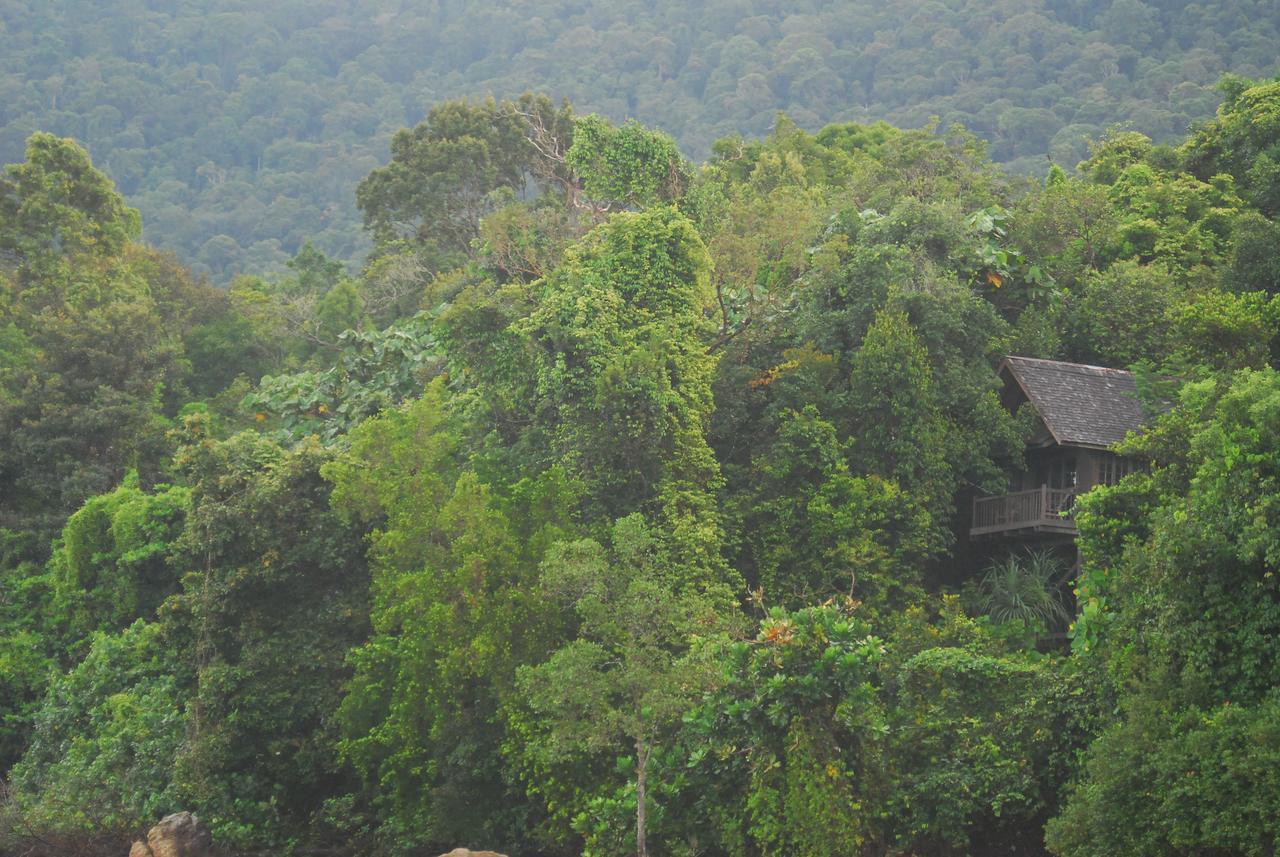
(240, 129)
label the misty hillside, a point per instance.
(240, 129)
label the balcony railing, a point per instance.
(1042, 509)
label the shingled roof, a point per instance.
(1080, 405)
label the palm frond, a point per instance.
(1026, 587)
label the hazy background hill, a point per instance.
(240, 128)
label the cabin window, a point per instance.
(1058, 474)
(1112, 468)
(1062, 474)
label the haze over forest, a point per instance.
(240, 129)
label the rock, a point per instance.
(467, 852)
(177, 835)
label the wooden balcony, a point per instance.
(1040, 510)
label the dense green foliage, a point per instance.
(827, 739)
(1183, 566)
(240, 130)
(94, 330)
(619, 505)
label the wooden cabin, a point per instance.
(1082, 411)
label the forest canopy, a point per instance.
(240, 129)
(619, 504)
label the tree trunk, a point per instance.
(642, 765)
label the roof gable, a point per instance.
(1080, 405)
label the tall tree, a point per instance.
(898, 427)
(1243, 140)
(624, 377)
(630, 165)
(455, 613)
(276, 596)
(57, 210)
(445, 172)
(93, 356)
(638, 663)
